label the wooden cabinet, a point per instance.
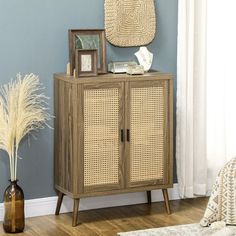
(113, 134)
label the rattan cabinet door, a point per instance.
(147, 149)
(103, 148)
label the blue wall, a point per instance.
(33, 38)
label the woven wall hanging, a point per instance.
(130, 22)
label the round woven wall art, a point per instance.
(130, 22)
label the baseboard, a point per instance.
(47, 206)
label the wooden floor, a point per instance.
(109, 221)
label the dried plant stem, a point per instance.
(16, 158)
(10, 160)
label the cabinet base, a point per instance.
(77, 200)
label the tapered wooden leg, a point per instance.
(75, 212)
(149, 197)
(59, 201)
(166, 198)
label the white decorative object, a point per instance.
(117, 67)
(135, 70)
(68, 72)
(144, 57)
(86, 63)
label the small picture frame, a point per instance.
(85, 62)
(88, 39)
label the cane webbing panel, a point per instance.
(147, 133)
(130, 22)
(101, 143)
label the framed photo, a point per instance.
(85, 62)
(88, 39)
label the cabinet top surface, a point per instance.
(113, 77)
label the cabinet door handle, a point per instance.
(122, 135)
(128, 135)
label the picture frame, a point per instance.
(85, 62)
(88, 39)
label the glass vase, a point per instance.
(14, 218)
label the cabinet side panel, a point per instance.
(170, 125)
(63, 136)
(59, 133)
(56, 133)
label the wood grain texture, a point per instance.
(171, 128)
(59, 202)
(56, 130)
(84, 106)
(76, 140)
(106, 78)
(166, 199)
(75, 212)
(110, 221)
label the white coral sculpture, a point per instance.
(23, 109)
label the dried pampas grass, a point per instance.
(23, 109)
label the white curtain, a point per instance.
(191, 99)
(206, 92)
(221, 85)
